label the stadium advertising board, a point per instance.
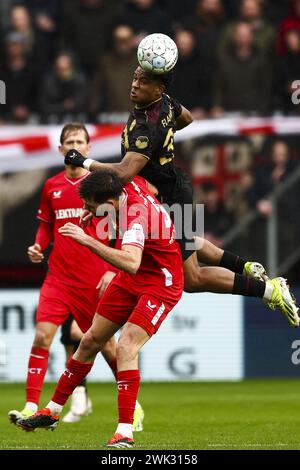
(201, 340)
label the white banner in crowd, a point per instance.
(30, 147)
(201, 340)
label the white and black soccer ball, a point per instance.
(157, 53)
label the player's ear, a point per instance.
(88, 149)
(60, 149)
(162, 88)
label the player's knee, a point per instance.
(194, 281)
(126, 350)
(42, 339)
(89, 344)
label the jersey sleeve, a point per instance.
(45, 211)
(137, 229)
(139, 140)
(177, 107)
(44, 234)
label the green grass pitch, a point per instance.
(254, 414)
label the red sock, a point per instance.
(72, 377)
(128, 387)
(37, 368)
(113, 365)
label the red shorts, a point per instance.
(58, 300)
(148, 311)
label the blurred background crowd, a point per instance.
(74, 59)
(77, 56)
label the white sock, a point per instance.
(125, 429)
(55, 408)
(268, 291)
(32, 406)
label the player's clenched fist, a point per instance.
(73, 157)
(85, 218)
(34, 253)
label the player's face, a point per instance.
(143, 89)
(99, 210)
(75, 140)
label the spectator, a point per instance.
(64, 91)
(217, 219)
(45, 17)
(20, 22)
(178, 10)
(275, 10)
(206, 23)
(251, 11)
(145, 18)
(291, 22)
(243, 78)
(196, 95)
(269, 176)
(87, 28)
(288, 72)
(21, 80)
(267, 179)
(109, 92)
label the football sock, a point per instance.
(128, 387)
(31, 406)
(55, 408)
(268, 291)
(72, 377)
(37, 368)
(248, 287)
(75, 347)
(232, 262)
(125, 429)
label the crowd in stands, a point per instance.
(76, 57)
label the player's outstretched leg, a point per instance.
(211, 255)
(275, 293)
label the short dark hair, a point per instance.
(71, 127)
(100, 186)
(165, 78)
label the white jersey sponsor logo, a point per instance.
(71, 213)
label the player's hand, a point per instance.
(75, 232)
(104, 281)
(34, 253)
(73, 157)
(85, 218)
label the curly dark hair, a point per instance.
(100, 186)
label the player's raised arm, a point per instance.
(127, 169)
(184, 119)
(127, 259)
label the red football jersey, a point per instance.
(69, 262)
(144, 222)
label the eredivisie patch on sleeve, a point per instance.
(134, 236)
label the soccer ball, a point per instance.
(157, 53)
